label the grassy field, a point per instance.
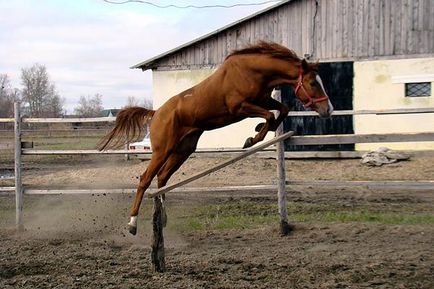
(250, 215)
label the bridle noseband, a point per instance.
(300, 85)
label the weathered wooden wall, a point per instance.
(332, 30)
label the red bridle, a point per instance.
(311, 99)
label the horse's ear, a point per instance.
(305, 66)
(315, 66)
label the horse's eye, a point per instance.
(313, 83)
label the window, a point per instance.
(418, 89)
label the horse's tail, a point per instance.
(129, 125)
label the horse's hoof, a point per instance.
(248, 143)
(259, 126)
(132, 230)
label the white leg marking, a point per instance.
(133, 221)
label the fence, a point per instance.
(20, 150)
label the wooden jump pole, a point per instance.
(282, 201)
(18, 181)
(241, 156)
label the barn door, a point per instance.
(338, 81)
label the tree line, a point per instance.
(39, 98)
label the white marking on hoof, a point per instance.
(133, 221)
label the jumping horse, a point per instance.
(240, 88)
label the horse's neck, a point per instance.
(275, 71)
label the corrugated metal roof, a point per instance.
(147, 64)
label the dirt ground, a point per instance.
(80, 241)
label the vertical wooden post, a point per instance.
(157, 253)
(127, 156)
(285, 228)
(18, 182)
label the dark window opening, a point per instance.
(418, 89)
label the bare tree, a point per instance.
(39, 94)
(147, 103)
(89, 106)
(133, 101)
(7, 96)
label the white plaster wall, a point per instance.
(169, 83)
(374, 88)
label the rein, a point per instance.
(300, 85)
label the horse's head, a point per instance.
(310, 90)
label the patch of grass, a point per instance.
(250, 215)
(380, 218)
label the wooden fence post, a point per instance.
(285, 228)
(18, 182)
(157, 254)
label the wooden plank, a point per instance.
(404, 185)
(78, 191)
(352, 40)
(360, 138)
(380, 39)
(211, 152)
(68, 120)
(222, 165)
(324, 154)
(359, 32)
(305, 32)
(299, 140)
(186, 190)
(321, 30)
(5, 120)
(345, 28)
(405, 26)
(298, 32)
(79, 152)
(340, 19)
(374, 33)
(408, 185)
(286, 26)
(367, 111)
(365, 29)
(388, 38)
(332, 25)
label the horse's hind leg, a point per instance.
(157, 161)
(185, 148)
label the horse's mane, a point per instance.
(270, 48)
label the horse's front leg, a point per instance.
(247, 109)
(273, 104)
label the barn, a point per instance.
(374, 54)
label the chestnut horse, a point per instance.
(240, 88)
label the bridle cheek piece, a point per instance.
(312, 100)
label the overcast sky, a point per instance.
(89, 45)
